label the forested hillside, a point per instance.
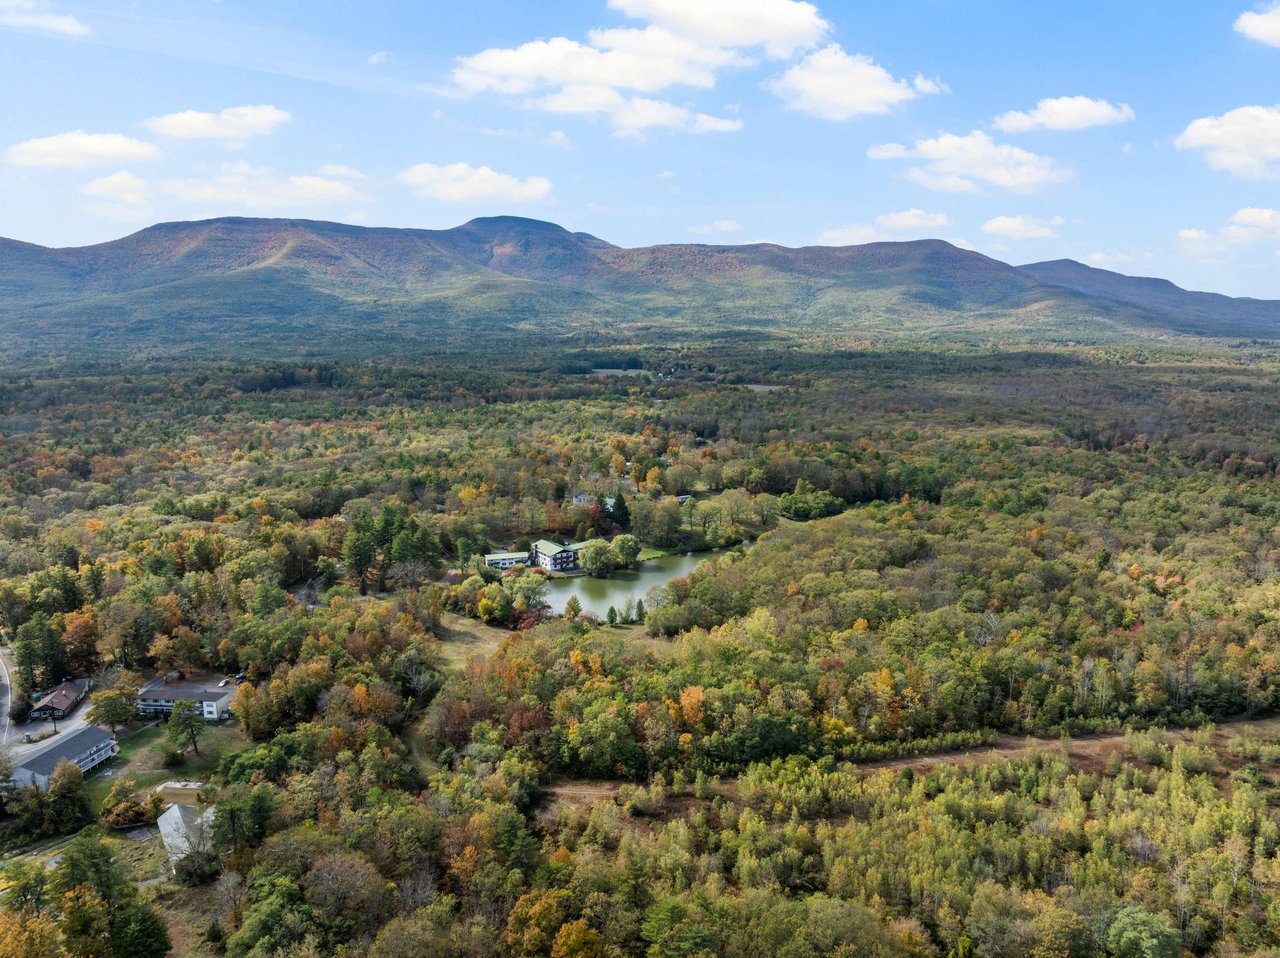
(291, 287)
(917, 552)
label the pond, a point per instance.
(596, 595)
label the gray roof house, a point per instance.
(184, 830)
(212, 697)
(88, 747)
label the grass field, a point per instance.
(463, 639)
(139, 759)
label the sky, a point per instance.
(1133, 135)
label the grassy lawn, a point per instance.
(463, 639)
(139, 759)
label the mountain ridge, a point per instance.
(248, 280)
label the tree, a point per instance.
(573, 608)
(186, 725)
(27, 888)
(597, 558)
(89, 863)
(139, 932)
(1139, 934)
(627, 549)
(67, 802)
(621, 512)
(117, 705)
(360, 549)
(29, 936)
(611, 616)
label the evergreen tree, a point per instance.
(67, 806)
(621, 512)
(186, 725)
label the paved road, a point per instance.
(11, 737)
(6, 694)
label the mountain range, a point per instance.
(309, 287)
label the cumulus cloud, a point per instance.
(717, 226)
(36, 15)
(124, 188)
(378, 57)
(834, 85)
(1022, 227)
(119, 196)
(632, 116)
(1244, 142)
(912, 219)
(888, 226)
(856, 235)
(460, 182)
(963, 164)
(233, 123)
(340, 171)
(78, 148)
(254, 187)
(684, 43)
(780, 26)
(1065, 113)
(1246, 227)
(1262, 25)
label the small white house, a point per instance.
(506, 560)
(88, 747)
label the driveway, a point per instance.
(12, 735)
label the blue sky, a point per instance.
(1136, 135)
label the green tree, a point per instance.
(360, 550)
(139, 932)
(597, 558)
(572, 608)
(117, 705)
(186, 725)
(627, 549)
(89, 862)
(27, 887)
(621, 512)
(67, 806)
(1136, 933)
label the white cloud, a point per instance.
(962, 164)
(558, 138)
(1244, 142)
(378, 58)
(341, 172)
(1022, 227)
(644, 60)
(833, 85)
(1065, 113)
(780, 26)
(632, 116)
(718, 226)
(912, 219)
(460, 182)
(616, 72)
(1258, 218)
(253, 187)
(78, 148)
(233, 123)
(888, 226)
(1263, 25)
(856, 235)
(36, 15)
(120, 196)
(123, 188)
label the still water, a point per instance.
(596, 595)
